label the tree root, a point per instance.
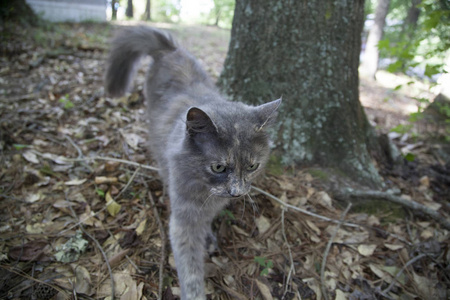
(415, 207)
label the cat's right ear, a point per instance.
(197, 121)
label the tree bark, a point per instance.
(113, 10)
(369, 64)
(307, 52)
(129, 10)
(148, 16)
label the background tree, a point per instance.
(129, 10)
(148, 10)
(307, 52)
(114, 4)
(222, 12)
(369, 64)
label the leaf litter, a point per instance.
(78, 215)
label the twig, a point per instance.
(80, 153)
(414, 206)
(410, 262)
(304, 210)
(129, 182)
(292, 267)
(163, 246)
(327, 250)
(132, 163)
(101, 250)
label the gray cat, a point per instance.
(208, 149)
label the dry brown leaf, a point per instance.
(263, 224)
(83, 283)
(75, 182)
(264, 289)
(31, 157)
(112, 206)
(366, 250)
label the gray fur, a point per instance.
(192, 127)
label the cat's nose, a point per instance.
(236, 192)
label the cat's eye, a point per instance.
(218, 168)
(253, 167)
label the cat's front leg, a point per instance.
(188, 245)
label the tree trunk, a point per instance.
(129, 10)
(369, 64)
(307, 52)
(413, 14)
(113, 10)
(147, 10)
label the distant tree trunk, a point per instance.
(129, 10)
(369, 64)
(113, 10)
(148, 10)
(413, 14)
(307, 52)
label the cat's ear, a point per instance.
(197, 121)
(267, 113)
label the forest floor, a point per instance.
(79, 206)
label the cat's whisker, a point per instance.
(207, 199)
(243, 210)
(254, 206)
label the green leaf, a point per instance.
(100, 192)
(383, 44)
(264, 272)
(394, 67)
(410, 157)
(260, 260)
(20, 146)
(431, 70)
(398, 87)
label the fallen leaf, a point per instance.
(75, 182)
(83, 281)
(112, 206)
(31, 198)
(393, 246)
(264, 289)
(31, 251)
(366, 250)
(141, 227)
(263, 224)
(340, 295)
(31, 157)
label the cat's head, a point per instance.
(229, 146)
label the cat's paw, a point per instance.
(211, 244)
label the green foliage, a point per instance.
(228, 214)
(20, 146)
(424, 44)
(67, 103)
(100, 192)
(265, 263)
(166, 10)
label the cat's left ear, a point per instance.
(197, 121)
(267, 113)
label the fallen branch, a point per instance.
(304, 210)
(410, 262)
(414, 206)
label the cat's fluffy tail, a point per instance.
(127, 48)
